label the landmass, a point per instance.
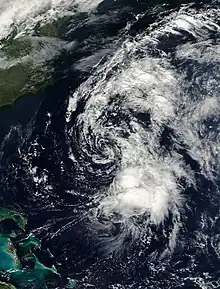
(27, 62)
(19, 265)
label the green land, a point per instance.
(4, 285)
(26, 62)
(17, 258)
(22, 67)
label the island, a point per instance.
(19, 265)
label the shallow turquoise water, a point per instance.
(7, 258)
(19, 261)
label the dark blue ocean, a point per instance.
(116, 165)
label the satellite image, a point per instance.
(109, 144)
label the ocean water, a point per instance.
(117, 167)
